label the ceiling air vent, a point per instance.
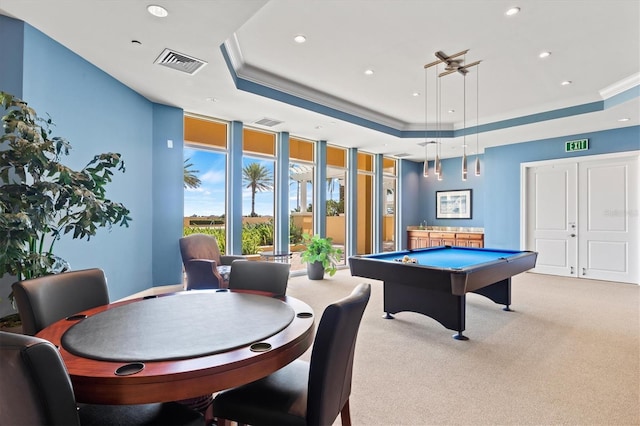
(404, 154)
(180, 61)
(268, 122)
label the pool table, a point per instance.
(434, 281)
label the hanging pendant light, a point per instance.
(425, 169)
(453, 65)
(438, 163)
(464, 166)
(477, 165)
(464, 128)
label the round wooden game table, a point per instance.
(180, 345)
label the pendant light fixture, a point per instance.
(464, 128)
(438, 163)
(477, 165)
(452, 65)
(425, 169)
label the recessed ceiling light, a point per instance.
(158, 11)
(368, 72)
(299, 38)
(513, 11)
(544, 54)
(623, 119)
(566, 82)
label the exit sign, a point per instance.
(579, 145)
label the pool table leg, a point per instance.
(446, 308)
(499, 292)
(460, 336)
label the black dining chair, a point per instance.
(261, 276)
(44, 300)
(302, 393)
(36, 390)
(204, 266)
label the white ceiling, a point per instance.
(595, 44)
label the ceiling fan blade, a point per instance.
(455, 55)
(472, 64)
(442, 74)
(442, 57)
(433, 63)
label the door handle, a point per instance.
(572, 235)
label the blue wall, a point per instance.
(11, 34)
(502, 176)
(452, 180)
(496, 192)
(168, 198)
(96, 113)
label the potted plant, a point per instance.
(42, 199)
(320, 256)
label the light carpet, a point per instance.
(568, 354)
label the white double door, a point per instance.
(582, 217)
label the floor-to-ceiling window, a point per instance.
(301, 187)
(336, 184)
(258, 167)
(365, 203)
(301, 167)
(389, 191)
(205, 178)
(206, 185)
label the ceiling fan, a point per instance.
(451, 63)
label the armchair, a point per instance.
(203, 264)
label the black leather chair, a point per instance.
(202, 261)
(304, 393)
(44, 300)
(260, 276)
(36, 390)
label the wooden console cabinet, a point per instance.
(420, 238)
(470, 240)
(442, 239)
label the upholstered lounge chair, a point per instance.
(203, 264)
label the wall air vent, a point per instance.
(268, 122)
(180, 61)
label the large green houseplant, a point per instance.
(42, 199)
(320, 255)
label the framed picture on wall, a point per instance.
(453, 204)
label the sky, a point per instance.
(209, 198)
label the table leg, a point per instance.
(448, 309)
(499, 292)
